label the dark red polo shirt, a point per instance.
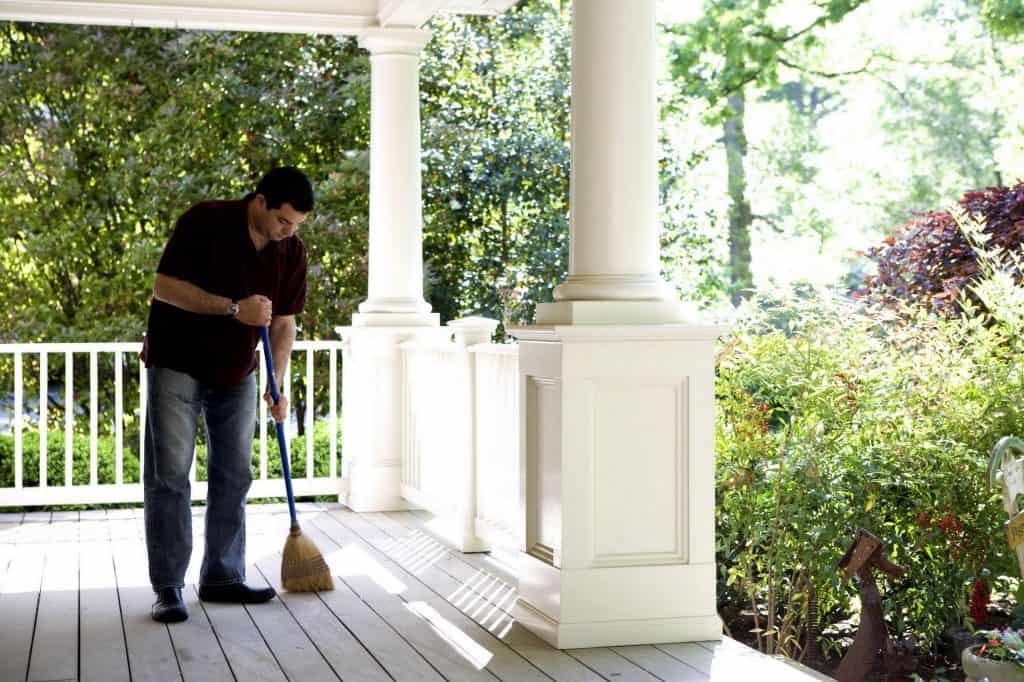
(211, 249)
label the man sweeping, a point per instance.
(229, 269)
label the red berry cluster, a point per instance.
(947, 524)
(980, 597)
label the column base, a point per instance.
(399, 319)
(616, 633)
(617, 606)
(448, 530)
(645, 287)
(615, 312)
(617, 425)
(376, 490)
(372, 414)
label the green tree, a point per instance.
(496, 150)
(734, 47)
(1004, 17)
(107, 135)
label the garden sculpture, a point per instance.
(1010, 470)
(873, 654)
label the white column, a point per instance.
(617, 438)
(374, 421)
(396, 215)
(614, 264)
(616, 388)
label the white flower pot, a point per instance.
(978, 668)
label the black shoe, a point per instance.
(236, 593)
(169, 608)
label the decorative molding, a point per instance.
(181, 16)
(394, 41)
(542, 403)
(542, 553)
(335, 17)
(408, 13)
(644, 387)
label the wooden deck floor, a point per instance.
(75, 600)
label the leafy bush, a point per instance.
(106, 458)
(55, 459)
(834, 415)
(931, 263)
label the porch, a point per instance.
(588, 446)
(75, 594)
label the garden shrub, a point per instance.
(930, 262)
(835, 415)
(106, 457)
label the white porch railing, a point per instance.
(498, 512)
(124, 357)
(461, 449)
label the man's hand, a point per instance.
(280, 410)
(255, 311)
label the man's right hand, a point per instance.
(255, 311)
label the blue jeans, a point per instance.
(175, 402)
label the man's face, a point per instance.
(278, 223)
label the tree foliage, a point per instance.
(496, 152)
(932, 262)
(109, 134)
(734, 48)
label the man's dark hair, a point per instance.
(287, 185)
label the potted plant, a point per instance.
(1000, 658)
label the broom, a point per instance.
(303, 568)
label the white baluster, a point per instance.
(18, 474)
(93, 418)
(69, 416)
(309, 413)
(118, 422)
(43, 407)
(333, 418)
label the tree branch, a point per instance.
(793, 36)
(828, 74)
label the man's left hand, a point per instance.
(280, 410)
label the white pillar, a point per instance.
(616, 390)
(396, 214)
(614, 263)
(395, 312)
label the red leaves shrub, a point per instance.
(980, 597)
(929, 262)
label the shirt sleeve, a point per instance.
(187, 251)
(291, 297)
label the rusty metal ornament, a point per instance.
(874, 655)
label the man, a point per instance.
(229, 268)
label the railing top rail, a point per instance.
(128, 346)
(495, 348)
(430, 346)
(101, 346)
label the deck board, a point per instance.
(483, 602)
(55, 649)
(104, 656)
(342, 649)
(19, 602)
(75, 595)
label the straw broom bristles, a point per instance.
(303, 568)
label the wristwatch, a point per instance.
(233, 309)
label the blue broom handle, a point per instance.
(281, 441)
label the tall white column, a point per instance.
(395, 312)
(614, 264)
(396, 214)
(616, 388)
